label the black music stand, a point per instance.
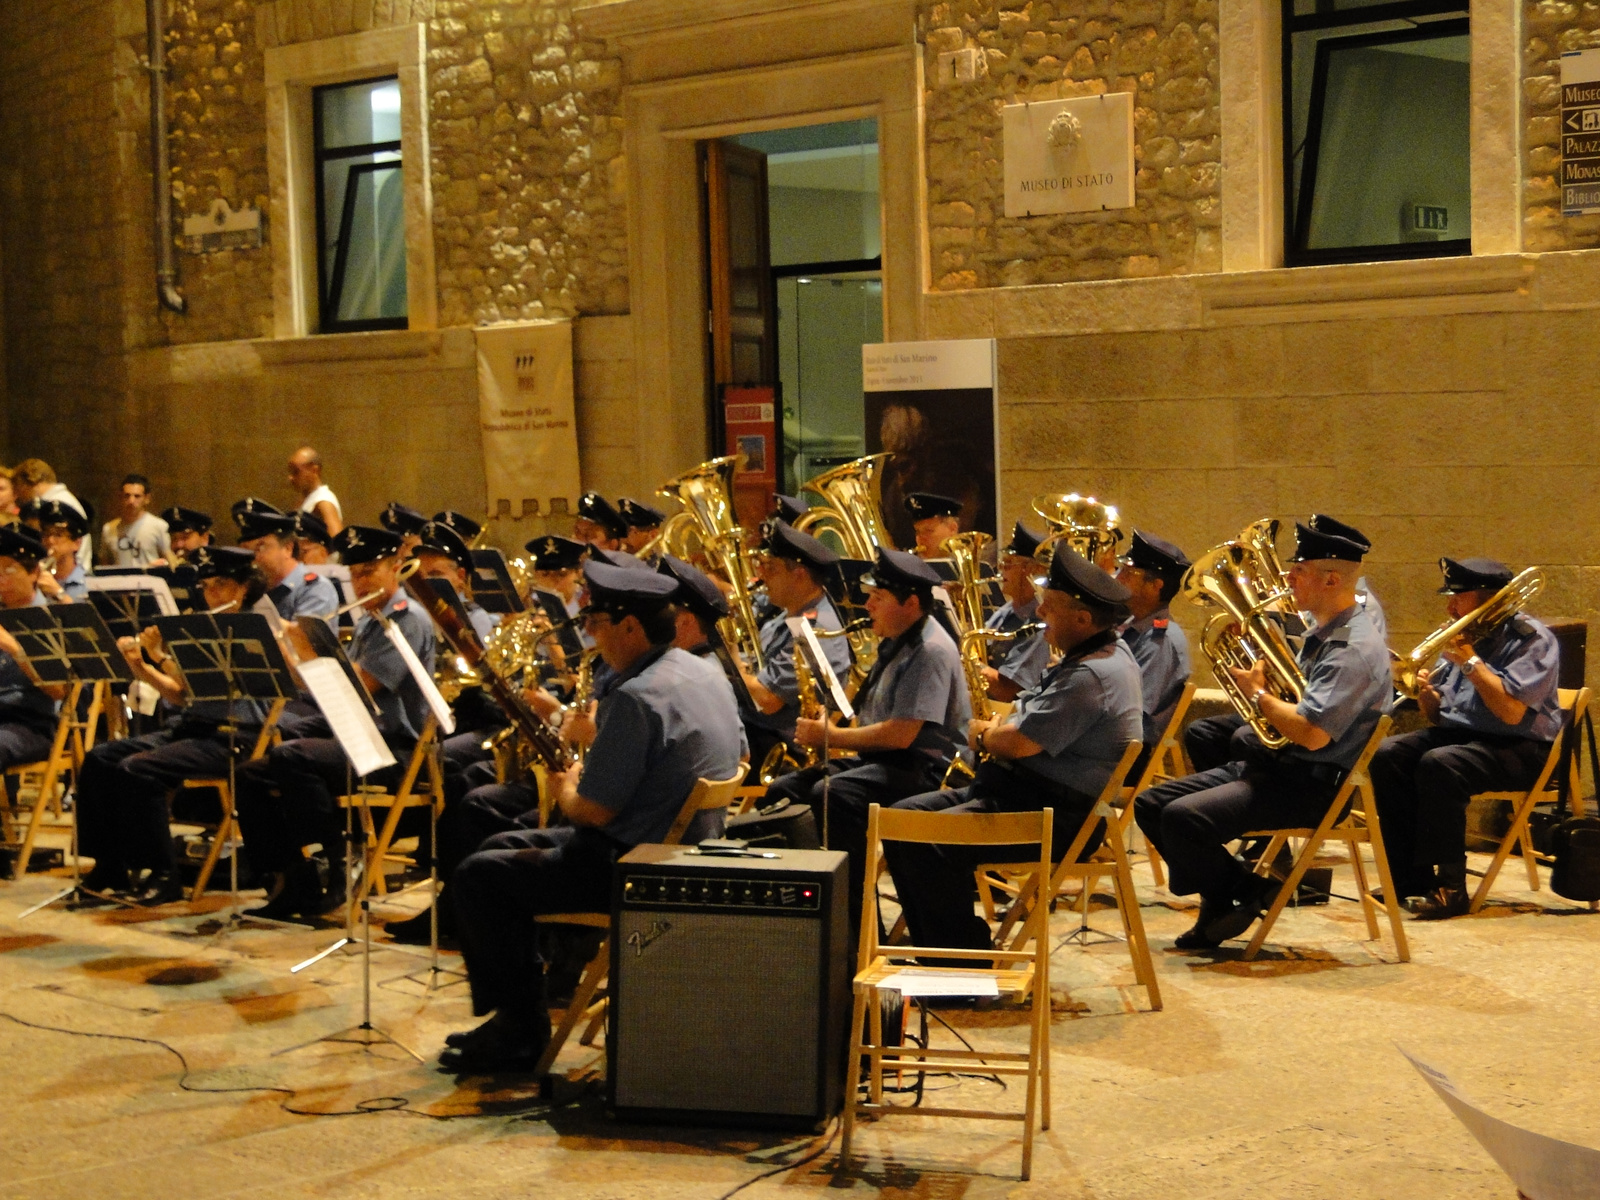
(67, 645)
(229, 659)
(492, 585)
(180, 580)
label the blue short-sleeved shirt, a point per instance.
(1369, 601)
(777, 671)
(483, 621)
(1083, 714)
(20, 702)
(1162, 651)
(665, 723)
(918, 677)
(1348, 686)
(76, 584)
(1021, 660)
(305, 593)
(1527, 657)
(402, 710)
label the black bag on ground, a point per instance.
(781, 824)
(1576, 845)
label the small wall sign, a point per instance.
(1069, 155)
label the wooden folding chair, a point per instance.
(47, 779)
(227, 825)
(1110, 859)
(708, 794)
(408, 794)
(1026, 977)
(1165, 762)
(1543, 791)
(1358, 826)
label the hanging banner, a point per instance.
(935, 406)
(525, 410)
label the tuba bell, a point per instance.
(1237, 578)
(1089, 526)
(853, 507)
(965, 550)
(1410, 671)
(706, 494)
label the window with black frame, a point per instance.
(361, 234)
(1376, 109)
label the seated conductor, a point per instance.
(1493, 709)
(1056, 749)
(1347, 690)
(662, 725)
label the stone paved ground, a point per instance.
(1274, 1079)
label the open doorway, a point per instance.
(808, 197)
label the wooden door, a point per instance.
(743, 324)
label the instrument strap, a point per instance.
(1572, 735)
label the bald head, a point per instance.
(305, 470)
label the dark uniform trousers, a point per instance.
(288, 798)
(22, 742)
(853, 785)
(1423, 781)
(466, 824)
(936, 884)
(1191, 820)
(498, 891)
(1209, 741)
(122, 791)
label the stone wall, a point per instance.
(1164, 52)
(1549, 28)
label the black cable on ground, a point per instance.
(825, 1139)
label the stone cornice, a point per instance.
(637, 18)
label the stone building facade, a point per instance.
(1160, 356)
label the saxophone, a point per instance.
(781, 760)
(974, 658)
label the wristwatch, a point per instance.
(1471, 665)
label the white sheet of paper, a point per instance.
(430, 693)
(152, 585)
(800, 627)
(941, 983)
(1543, 1168)
(347, 715)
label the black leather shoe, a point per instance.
(415, 931)
(162, 887)
(1257, 893)
(498, 1045)
(109, 879)
(1443, 903)
(1196, 937)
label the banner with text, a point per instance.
(525, 409)
(935, 407)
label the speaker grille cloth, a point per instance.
(719, 1013)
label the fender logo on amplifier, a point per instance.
(642, 939)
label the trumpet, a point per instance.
(1410, 671)
(1236, 578)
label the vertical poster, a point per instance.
(525, 410)
(934, 406)
(749, 416)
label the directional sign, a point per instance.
(1580, 132)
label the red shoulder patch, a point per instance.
(1161, 624)
(311, 577)
(810, 615)
(401, 605)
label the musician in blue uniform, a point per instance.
(188, 529)
(643, 523)
(934, 518)
(403, 520)
(286, 799)
(1493, 710)
(793, 568)
(1347, 690)
(1015, 666)
(663, 726)
(61, 528)
(294, 590)
(27, 706)
(598, 523)
(460, 524)
(1057, 749)
(123, 789)
(1151, 571)
(911, 716)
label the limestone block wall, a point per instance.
(1550, 27)
(1164, 52)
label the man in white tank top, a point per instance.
(316, 497)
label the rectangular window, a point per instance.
(1376, 112)
(361, 233)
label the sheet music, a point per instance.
(149, 585)
(347, 716)
(821, 669)
(1543, 1168)
(436, 702)
(912, 982)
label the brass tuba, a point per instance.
(706, 493)
(964, 550)
(1238, 579)
(853, 507)
(1082, 522)
(1474, 626)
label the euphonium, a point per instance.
(1084, 523)
(1231, 577)
(964, 550)
(1474, 626)
(706, 493)
(853, 507)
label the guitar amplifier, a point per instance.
(730, 987)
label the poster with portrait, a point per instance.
(935, 407)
